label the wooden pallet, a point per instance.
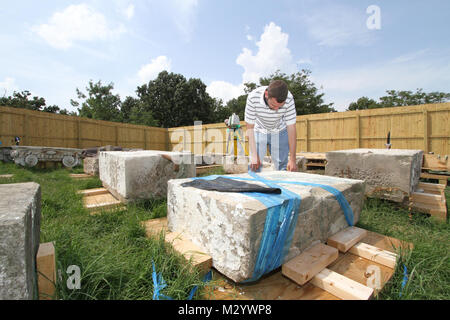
(347, 273)
(436, 162)
(442, 178)
(348, 266)
(430, 198)
(314, 160)
(99, 200)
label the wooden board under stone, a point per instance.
(99, 200)
(275, 286)
(46, 271)
(346, 238)
(306, 265)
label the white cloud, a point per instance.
(150, 71)
(407, 72)
(273, 53)
(339, 25)
(8, 86)
(224, 90)
(183, 14)
(129, 11)
(76, 23)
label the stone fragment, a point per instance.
(229, 226)
(90, 166)
(391, 174)
(135, 175)
(20, 218)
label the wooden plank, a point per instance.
(373, 253)
(46, 271)
(346, 238)
(428, 199)
(305, 266)
(203, 169)
(341, 286)
(433, 188)
(80, 176)
(154, 226)
(93, 192)
(275, 286)
(190, 251)
(436, 162)
(6, 176)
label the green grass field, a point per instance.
(115, 257)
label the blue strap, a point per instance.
(158, 285)
(281, 220)
(405, 279)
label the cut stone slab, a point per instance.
(135, 175)
(239, 164)
(20, 219)
(229, 226)
(90, 166)
(390, 174)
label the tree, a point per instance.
(133, 112)
(362, 104)
(99, 103)
(21, 100)
(400, 98)
(175, 101)
(306, 96)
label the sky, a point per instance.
(352, 48)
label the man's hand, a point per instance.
(255, 164)
(292, 165)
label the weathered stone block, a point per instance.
(90, 166)
(229, 226)
(390, 174)
(135, 175)
(20, 218)
(239, 164)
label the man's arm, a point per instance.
(292, 138)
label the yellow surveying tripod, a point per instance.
(234, 134)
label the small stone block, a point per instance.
(346, 238)
(305, 266)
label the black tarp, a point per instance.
(229, 185)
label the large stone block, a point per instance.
(90, 166)
(229, 226)
(390, 174)
(135, 175)
(20, 218)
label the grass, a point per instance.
(115, 258)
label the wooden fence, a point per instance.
(53, 130)
(424, 127)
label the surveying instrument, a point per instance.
(234, 135)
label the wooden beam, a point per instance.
(46, 271)
(341, 286)
(93, 192)
(190, 251)
(374, 254)
(154, 226)
(346, 238)
(305, 266)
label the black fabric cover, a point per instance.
(229, 185)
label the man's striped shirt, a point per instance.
(266, 120)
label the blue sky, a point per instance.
(53, 47)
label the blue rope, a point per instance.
(405, 279)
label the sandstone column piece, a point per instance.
(134, 175)
(390, 174)
(20, 218)
(229, 226)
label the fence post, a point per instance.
(425, 131)
(307, 135)
(358, 132)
